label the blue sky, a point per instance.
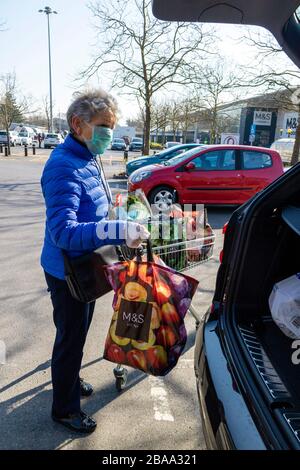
(23, 49)
(24, 46)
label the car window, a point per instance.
(252, 160)
(216, 160)
(2, 133)
(163, 153)
(183, 156)
(298, 13)
(177, 152)
(51, 136)
(170, 153)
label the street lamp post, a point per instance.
(48, 11)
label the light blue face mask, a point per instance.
(101, 138)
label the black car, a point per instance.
(281, 18)
(247, 370)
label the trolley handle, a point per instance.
(140, 251)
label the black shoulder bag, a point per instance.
(84, 274)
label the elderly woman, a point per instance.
(77, 200)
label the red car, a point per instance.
(214, 174)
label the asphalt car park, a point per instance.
(152, 413)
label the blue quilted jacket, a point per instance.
(76, 207)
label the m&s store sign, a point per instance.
(262, 118)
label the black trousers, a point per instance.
(72, 320)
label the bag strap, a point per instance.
(150, 258)
(109, 198)
(103, 179)
(67, 264)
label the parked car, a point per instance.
(214, 174)
(136, 144)
(285, 148)
(170, 144)
(13, 138)
(118, 144)
(247, 383)
(156, 146)
(158, 157)
(26, 136)
(52, 140)
(18, 139)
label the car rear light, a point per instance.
(224, 230)
(211, 310)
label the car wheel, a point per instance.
(162, 198)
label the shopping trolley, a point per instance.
(181, 256)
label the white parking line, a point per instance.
(159, 394)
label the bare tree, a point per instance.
(11, 108)
(46, 110)
(188, 116)
(174, 117)
(276, 75)
(178, 115)
(37, 119)
(135, 122)
(142, 54)
(160, 118)
(213, 87)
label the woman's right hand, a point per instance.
(136, 233)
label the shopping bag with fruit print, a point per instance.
(147, 331)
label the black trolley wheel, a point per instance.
(121, 375)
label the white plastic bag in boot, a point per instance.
(284, 304)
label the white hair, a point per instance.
(90, 103)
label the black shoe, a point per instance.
(85, 389)
(79, 422)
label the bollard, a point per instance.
(33, 150)
(6, 151)
(1, 148)
(125, 155)
(26, 150)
